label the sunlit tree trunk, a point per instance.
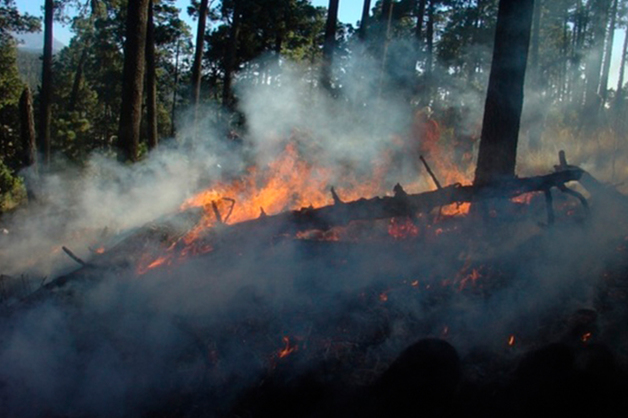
(608, 53)
(151, 81)
(594, 63)
(504, 98)
(133, 80)
(46, 85)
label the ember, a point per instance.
(288, 348)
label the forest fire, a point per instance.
(330, 236)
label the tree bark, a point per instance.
(46, 85)
(27, 125)
(151, 81)
(28, 138)
(504, 99)
(133, 80)
(366, 10)
(198, 55)
(330, 43)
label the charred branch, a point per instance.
(431, 173)
(74, 256)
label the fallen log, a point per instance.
(400, 204)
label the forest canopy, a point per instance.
(429, 56)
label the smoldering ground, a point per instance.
(190, 337)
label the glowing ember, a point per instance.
(143, 267)
(383, 297)
(288, 349)
(586, 337)
(401, 229)
(511, 341)
(471, 277)
(456, 209)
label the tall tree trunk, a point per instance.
(420, 14)
(366, 10)
(151, 80)
(534, 48)
(133, 80)
(46, 85)
(27, 128)
(175, 88)
(619, 97)
(504, 98)
(230, 56)
(78, 77)
(608, 53)
(594, 63)
(27, 136)
(386, 10)
(198, 55)
(330, 43)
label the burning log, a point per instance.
(401, 204)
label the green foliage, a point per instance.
(12, 190)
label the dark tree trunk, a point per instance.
(230, 57)
(504, 98)
(133, 80)
(608, 53)
(27, 124)
(330, 43)
(366, 10)
(46, 85)
(173, 111)
(151, 80)
(420, 15)
(198, 54)
(27, 136)
(386, 10)
(78, 78)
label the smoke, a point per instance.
(189, 337)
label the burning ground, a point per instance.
(182, 308)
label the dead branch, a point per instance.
(430, 172)
(73, 256)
